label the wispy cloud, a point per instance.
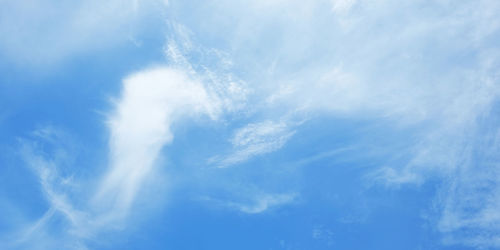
(41, 33)
(256, 204)
(49, 153)
(340, 6)
(434, 69)
(265, 202)
(139, 125)
(255, 139)
(433, 72)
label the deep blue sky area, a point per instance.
(325, 124)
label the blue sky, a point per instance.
(327, 124)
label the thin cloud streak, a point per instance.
(257, 203)
(255, 139)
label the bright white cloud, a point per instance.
(140, 126)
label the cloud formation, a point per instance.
(151, 101)
(140, 126)
(429, 67)
(257, 203)
(41, 33)
(255, 139)
(433, 72)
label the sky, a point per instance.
(250, 124)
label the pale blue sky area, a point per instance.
(326, 124)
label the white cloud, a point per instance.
(265, 202)
(340, 6)
(211, 66)
(434, 68)
(258, 203)
(50, 153)
(150, 102)
(53, 180)
(470, 201)
(323, 234)
(41, 32)
(140, 126)
(255, 139)
(428, 66)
